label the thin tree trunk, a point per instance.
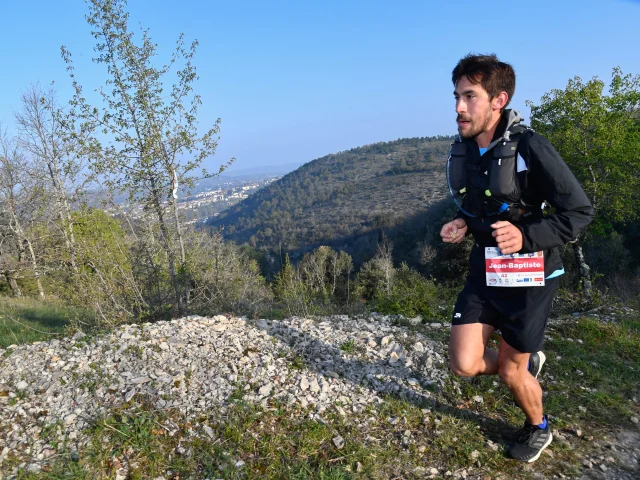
(183, 256)
(64, 214)
(166, 244)
(13, 285)
(34, 265)
(585, 270)
(69, 229)
(22, 237)
(348, 272)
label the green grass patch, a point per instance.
(396, 439)
(349, 346)
(245, 443)
(27, 320)
(594, 370)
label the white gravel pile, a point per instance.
(199, 364)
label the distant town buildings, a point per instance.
(196, 206)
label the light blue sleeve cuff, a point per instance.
(555, 274)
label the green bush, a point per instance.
(224, 278)
(411, 295)
(290, 292)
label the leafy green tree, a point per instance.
(145, 139)
(597, 133)
(290, 291)
(105, 281)
(376, 276)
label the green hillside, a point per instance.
(343, 199)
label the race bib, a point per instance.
(515, 269)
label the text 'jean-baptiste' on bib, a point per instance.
(515, 269)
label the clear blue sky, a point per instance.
(293, 81)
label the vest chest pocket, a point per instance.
(457, 167)
(502, 175)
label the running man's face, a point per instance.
(473, 107)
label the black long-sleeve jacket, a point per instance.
(547, 179)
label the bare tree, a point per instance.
(384, 261)
(19, 200)
(326, 273)
(223, 277)
(46, 135)
(9, 256)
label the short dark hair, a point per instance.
(492, 74)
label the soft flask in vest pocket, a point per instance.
(503, 179)
(502, 176)
(457, 169)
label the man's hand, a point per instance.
(454, 232)
(508, 236)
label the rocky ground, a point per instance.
(50, 392)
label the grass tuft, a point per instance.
(28, 320)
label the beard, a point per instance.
(476, 125)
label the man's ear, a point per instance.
(500, 100)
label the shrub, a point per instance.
(411, 295)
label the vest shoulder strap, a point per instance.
(518, 132)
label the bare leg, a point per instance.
(523, 386)
(468, 355)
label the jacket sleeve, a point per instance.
(550, 179)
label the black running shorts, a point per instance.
(520, 313)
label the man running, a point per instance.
(501, 175)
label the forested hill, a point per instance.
(342, 196)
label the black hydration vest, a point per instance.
(487, 185)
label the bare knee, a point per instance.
(509, 373)
(464, 366)
(467, 349)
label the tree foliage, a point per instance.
(395, 291)
(597, 133)
(376, 277)
(144, 142)
(290, 291)
(410, 295)
(106, 280)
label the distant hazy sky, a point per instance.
(293, 81)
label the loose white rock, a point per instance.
(265, 390)
(200, 366)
